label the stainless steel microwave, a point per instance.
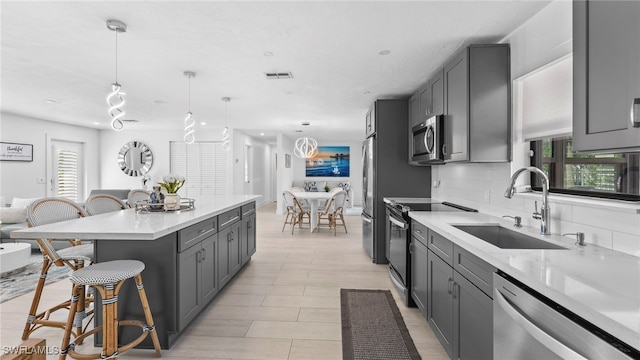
(428, 138)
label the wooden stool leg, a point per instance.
(66, 338)
(109, 320)
(147, 314)
(46, 264)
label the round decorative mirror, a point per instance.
(135, 158)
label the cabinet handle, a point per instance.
(453, 289)
(419, 231)
(444, 149)
(411, 248)
(449, 282)
(204, 254)
(201, 231)
(635, 113)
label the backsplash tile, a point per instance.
(482, 187)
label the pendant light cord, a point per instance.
(116, 56)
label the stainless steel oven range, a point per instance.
(398, 238)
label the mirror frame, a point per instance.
(146, 158)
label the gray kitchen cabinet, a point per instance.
(419, 274)
(606, 76)
(436, 94)
(472, 321)
(440, 301)
(197, 279)
(370, 124)
(425, 103)
(459, 311)
(229, 254)
(414, 111)
(248, 243)
(477, 104)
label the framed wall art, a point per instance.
(16, 152)
(331, 161)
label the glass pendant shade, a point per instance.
(306, 147)
(189, 121)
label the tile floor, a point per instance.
(285, 304)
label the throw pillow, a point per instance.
(310, 186)
(13, 215)
(22, 203)
(346, 186)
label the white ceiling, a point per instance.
(62, 51)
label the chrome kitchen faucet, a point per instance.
(545, 211)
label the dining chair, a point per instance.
(333, 211)
(47, 211)
(137, 195)
(305, 204)
(103, 203)
(295, 211)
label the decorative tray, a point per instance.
(144, 206)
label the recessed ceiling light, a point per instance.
(261, 134)
(366, 92)
(96, 123)
(306, 123)
(384, 52)
(51, 101)
(298, 130)
(203, 123)
(267, 53)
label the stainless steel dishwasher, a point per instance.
(527, 325)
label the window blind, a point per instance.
(546, 101)
(204, 166)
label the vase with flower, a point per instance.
(172, 183)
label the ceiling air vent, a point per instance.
(279, 75)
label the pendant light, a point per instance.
(189, 122)
(306, 147)
(115, 99)
(226, 137)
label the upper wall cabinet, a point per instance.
(606, 76)
(436, 94)
(477, 104)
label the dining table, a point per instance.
(313, 197)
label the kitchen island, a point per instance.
(189, 256)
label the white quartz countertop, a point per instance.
(598, 284)
(130, 225)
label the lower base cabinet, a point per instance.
(248, 242)
(459, 313)
(229, 256)
(197, 281)
(419, 271)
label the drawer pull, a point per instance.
(201, 231)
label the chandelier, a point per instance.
(226, 137)
(115, 99)
(189, 122)
(306, 147)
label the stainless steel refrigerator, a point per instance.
(386, 171)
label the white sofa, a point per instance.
(319, 185)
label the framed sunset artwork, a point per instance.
(331, 161)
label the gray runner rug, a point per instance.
(373, 328)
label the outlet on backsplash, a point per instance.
(436, 184)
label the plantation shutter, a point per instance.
(204, 166)
(67, 170)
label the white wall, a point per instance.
(18, 179)
(284, 176)
(542, 39)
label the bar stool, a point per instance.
(107, 278)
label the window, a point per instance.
(610, 175)
(66, 169)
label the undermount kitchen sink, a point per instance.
(505, 238)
